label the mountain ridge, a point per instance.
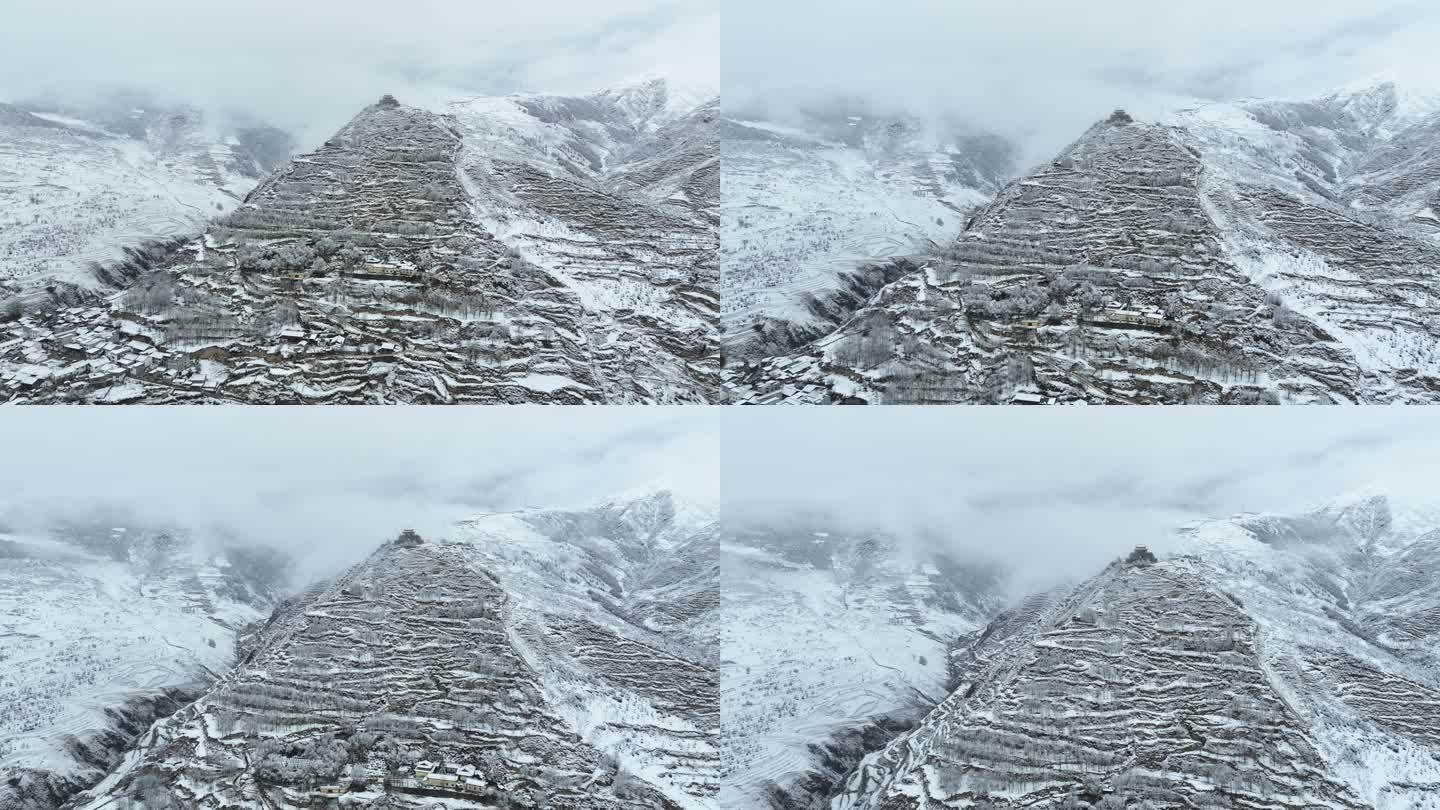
(491, 252)
(564, 657)
(1215, 257)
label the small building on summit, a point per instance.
(1141, 556)
(409, 539)
(388, 101)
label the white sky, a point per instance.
(1062, 491)
(1052, 67)
(309, 66)
(331, 484)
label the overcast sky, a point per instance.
(331, 484)
(1052, 67)
(309, 66)
(1062, 491)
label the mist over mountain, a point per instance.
(307, 74)
(961, 62)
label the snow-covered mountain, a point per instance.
(815, 214)
(105, 627)
(517, 249)
(80, 184)
(1274, 661)
(1261, 251)
(559, 659)
(833, 641)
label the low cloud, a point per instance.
(328, 485)
(1043, 70)
(309, 67)
(1057, 493)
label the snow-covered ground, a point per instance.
(83, 633)
(1348, 627)
(1257, 251)
(1276, 660)
(557, 656)
(824, 633)
(801, 210)
(76, 192)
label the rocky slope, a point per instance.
(833, 641)
(518, 249)
(1251, 252)
(812, 214)
(1264, 667)
(106, 626)
(553, 659)
(1348, 605)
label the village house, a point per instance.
(443, 781)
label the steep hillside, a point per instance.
(1146, 683)
(104, 628)
(538, 659)
(507, 250)
(812, 214)
(1255, 252)
(833, 641)
(78, 185)
(1267, 666)
(1348, 612)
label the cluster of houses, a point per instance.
(84, 341)
(784, 384)
(426, 775)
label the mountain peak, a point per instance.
(1386, 102)
(653, 101)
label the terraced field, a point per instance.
(1228, 255)
(420, 257)
(1238, 673)
(508, 652)
(1144, 684)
